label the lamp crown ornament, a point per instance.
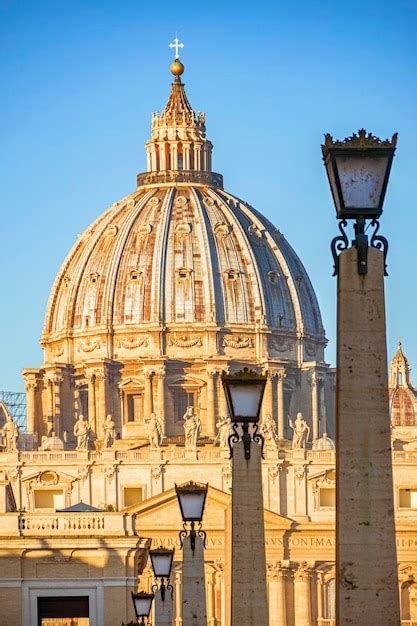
(360, 140)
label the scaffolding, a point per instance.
(15, 403)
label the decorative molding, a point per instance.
(144, 231)
(274, 472)
(153, 202)
(180, 201)
(254, 230)
(183, 230)
(59, 351)
(88, 346)
(310, 349)
(185, 341)
(222, 230)
(299, 472)
(109, 471)
(279, 345)
(237, 342)
(157, 471)
(111, 230)
(134, 342)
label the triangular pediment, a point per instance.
(161, 513)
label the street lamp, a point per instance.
(161, 560)
(244, 393)
(358, 170)
(192, 499)
(142, 602)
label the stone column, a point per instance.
(211, 587)
(178, 597)
(174, 156)
(92, 412)
(163, 610)
(30, 387)
(211, 406)
(148, 400)
(148, 159)
(249, 592)
(319, 588)
(186, 147)
(315, 381)
(268, 401)
(197, 156)
(366, 559)
(162, 157)
(302, 603)
(100, 387)
(193, 584)
(153, 157)
(161, 397)
(281, 376)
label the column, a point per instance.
(30, 387)
(162, 157)
(211, 586)
(315, 380)
(193, 584)
(197, 156)
(148, 159)
(148, 400)
(211, 407)
(161, 397)
(56, 381)
(92, 413)
(366, 557)
(174, 156)
(186, 147)
(276, 595)
(153, 157)
(281, 376)
(178, 597)
(268, 401)
(249, 590)
(223, 410)
(319, 588)
(281, 600)
(302, 609)
(101, 402)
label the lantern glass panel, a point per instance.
(143, 604)
(192, 505)
(161, 563)
(362, 180)
(246, 399)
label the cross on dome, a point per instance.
(176, 44)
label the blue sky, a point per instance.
(80, 79)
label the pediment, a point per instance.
(49, 477)
(161, 513)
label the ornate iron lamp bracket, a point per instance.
(246, 437)
(361, 243)
(164, 587)
(193, 533)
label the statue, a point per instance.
(269, 431)
(10, 432)
(324, 443)
(301, 432)
(224, 429)
(155, 431)
(109, 430)
(82, 432)
(192, 427)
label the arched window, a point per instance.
(400, 378)
(330, 599)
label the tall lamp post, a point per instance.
(192, 499)
(244, 392)
(161, 561)
(358, 169)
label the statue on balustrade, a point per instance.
(269, 431)
(109, 432)
(192, 428)
(82, 433)
(301, 432)
(224, 430)
(155, 431)
(10, 433)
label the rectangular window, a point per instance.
(408, 498)
(135, 408)
(327, 498)
(49, 499)
(132, 495)
(180, 162)
(182, 400)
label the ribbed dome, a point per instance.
(181, 253)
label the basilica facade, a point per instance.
(171, 287)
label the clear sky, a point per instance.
(80, 79)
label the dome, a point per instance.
(169, 288)
(179, 251)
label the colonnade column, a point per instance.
(161, 397)
(174, 156)
(162, 157)
(197, 156)
(319, 586)
(276, 594)
(211, 408)
(148, 400)
(281, 376)
(186, 149)
(302, 609)
(153, 157)
(315, 380)
(211, 590)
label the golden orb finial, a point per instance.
(177, 68)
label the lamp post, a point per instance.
(161, 561)
(192, 498)
(358, 170)
(142, 602)
(244, 392)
